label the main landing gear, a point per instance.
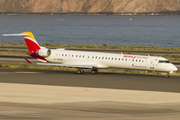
(81, 71)
(94, 71)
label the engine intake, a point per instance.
(43, 52)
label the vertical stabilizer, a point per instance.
(31, 43)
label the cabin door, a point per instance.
(152, 64)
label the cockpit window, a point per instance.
(164, 61)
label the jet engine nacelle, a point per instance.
(43, 52)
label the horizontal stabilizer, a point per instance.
(21, 35)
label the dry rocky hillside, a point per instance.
(89, 6)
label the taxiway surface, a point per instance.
(100, 80)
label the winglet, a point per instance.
(27, 60)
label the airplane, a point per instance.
(93, 60)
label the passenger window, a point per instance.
(126, 60)
(119, 58)
(62, 54)
(72, 55)
(102, 57)
(112, 58)
(122, 59)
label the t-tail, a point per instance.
(32, 44)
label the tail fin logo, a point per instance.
(30, 41)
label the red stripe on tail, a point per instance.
(31, 44)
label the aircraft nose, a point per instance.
(175, 68)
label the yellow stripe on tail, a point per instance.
(30, 35)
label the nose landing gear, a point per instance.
(167, 75)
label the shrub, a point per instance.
(105, 45)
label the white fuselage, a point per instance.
(110, 60)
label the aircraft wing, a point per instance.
(67, 65)
(64, 65)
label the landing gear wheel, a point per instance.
(94, 71)
(80, 71)
(167, 75)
